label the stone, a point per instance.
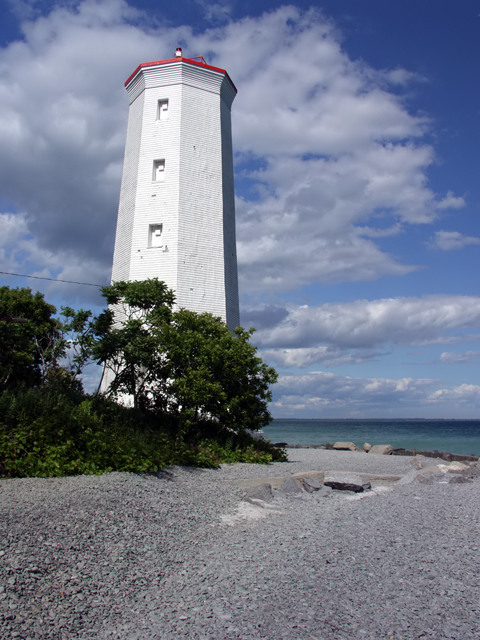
(346, 482)
(458, 479)
(310, 485)
(382, 449)
(345, 446)
(261, 491)
(366, 447)
(290, 486)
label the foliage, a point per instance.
(78, 334)
(184, 365)
(127, 337)
(29, 338)
(213, 374)
(197, 387)
(45, 432)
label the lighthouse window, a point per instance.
(162, 110)
(158, 170)
(155, 235)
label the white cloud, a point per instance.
(331, 394)
(370, 324)
(450, 357)
(340, 154)
(468, 394)
(319, 393)
(303, 357)
(449, 240)
(451, 202)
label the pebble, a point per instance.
(138, 557)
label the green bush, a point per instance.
(47, 432)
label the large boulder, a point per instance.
(382, 449)
(345, 446)
(290, 486)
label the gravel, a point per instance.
(185, 555)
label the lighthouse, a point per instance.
(176, 216)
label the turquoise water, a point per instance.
(454, 436)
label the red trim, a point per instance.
(188, 60)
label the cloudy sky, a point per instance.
(356, 138)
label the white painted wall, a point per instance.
(193, 200)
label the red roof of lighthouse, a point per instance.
(197, 61)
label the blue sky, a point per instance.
(356, 144)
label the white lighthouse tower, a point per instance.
(176, 217)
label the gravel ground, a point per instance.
(184, 555)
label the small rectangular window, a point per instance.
(162, 110)
(158, 170)
(155, 232)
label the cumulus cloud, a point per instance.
(465, 394)
(330, 154)
(370, 324)
(304, 357)
(450, 240)
(451, 202)
(320, 393)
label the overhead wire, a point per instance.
(23, 275)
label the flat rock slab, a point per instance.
(346, 482)
(345, 446)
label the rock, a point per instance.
(310, 485)
(345, 446)
(366, 447)
(346, 482)
(290, 486)
(261, 491)
(458, 479)
(382, 449)
(443, 455)
(422, 462)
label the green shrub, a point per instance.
(47, 432)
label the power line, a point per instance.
(23, 275)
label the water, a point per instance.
(454, 436)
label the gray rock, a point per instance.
(458, 479)
(382, 449)
(310, 485)
(262, 491)
(290, 486)
(346, 482)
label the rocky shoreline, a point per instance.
(245, 552)
(386, 450)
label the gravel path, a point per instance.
(184, 555)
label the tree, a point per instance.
(29, 338)
(182, 364)
(78, 334)
(215, 374)
(127, 337)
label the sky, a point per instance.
(356, 151)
